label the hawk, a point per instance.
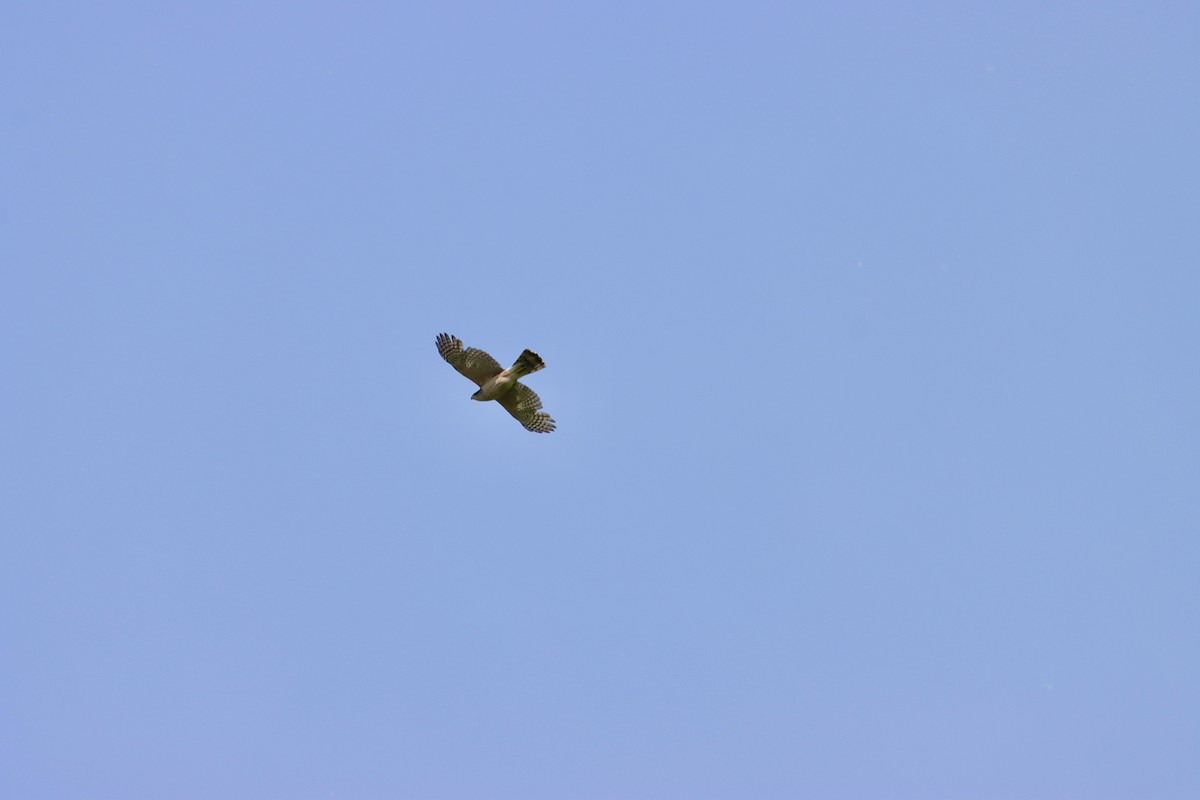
(499, 384)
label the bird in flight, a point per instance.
(499, 384)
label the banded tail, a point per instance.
(526, 363)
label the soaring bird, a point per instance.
(499, 384)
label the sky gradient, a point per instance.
(871, 334)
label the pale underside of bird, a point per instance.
(499, 384)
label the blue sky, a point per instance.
(871, 336)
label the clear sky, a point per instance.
(871, 333)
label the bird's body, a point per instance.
(528, 362)
(501, 385)
(497, 386)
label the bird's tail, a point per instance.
(526, 363)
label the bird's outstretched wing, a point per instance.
(471, 362)
(524, 404)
